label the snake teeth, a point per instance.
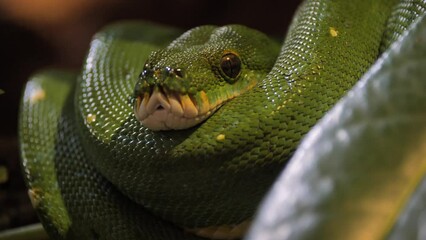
(189, 108)
(166, 111)
(175, 106)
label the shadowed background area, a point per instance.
(41, 34)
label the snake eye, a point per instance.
(230, 65)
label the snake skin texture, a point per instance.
(94, 172)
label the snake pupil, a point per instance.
(230, 65)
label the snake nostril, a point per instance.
(178, 72)
(146, 73)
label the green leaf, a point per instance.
(354, 174)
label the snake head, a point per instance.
(185, 83)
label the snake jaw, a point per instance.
(161, 110)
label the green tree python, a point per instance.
(181, 139)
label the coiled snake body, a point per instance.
(95, 172)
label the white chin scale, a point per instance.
(172, 112)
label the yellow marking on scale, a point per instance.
(333, 32)
(37, 95)
(90, 118)
(34, 195)
(220, 137)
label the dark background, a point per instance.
(38, 34)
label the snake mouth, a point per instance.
(167, 110)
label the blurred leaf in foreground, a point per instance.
(360, 172)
